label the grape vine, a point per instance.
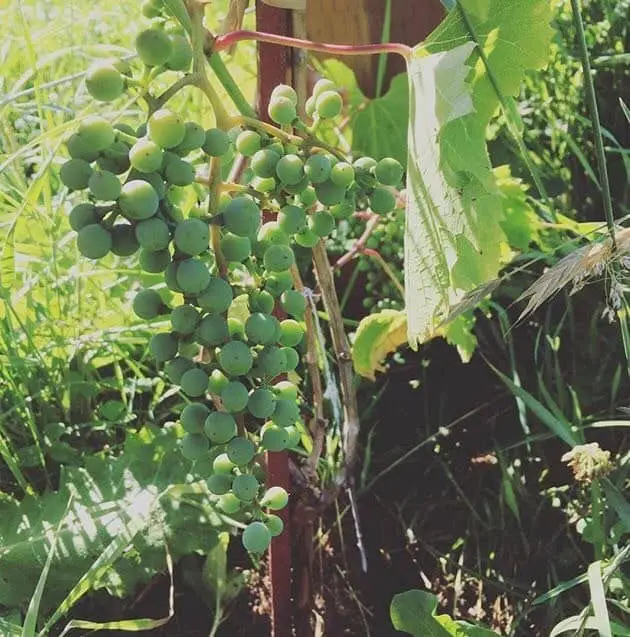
(221, 252)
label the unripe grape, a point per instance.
(242, 216)
(329, 104)
(150, 10)
(163, 346)
(79, 149)
(193, 417)
(241, 451)
(170, 277)
(235, 358)
(263, 163)
(382, 201)
(104, 82)
(235, 248)
(219, 483)
(193, 276)
(93, 241)
(248, 142)
(216, 143)
(181, 54)
(166, 128)
(155, 179)
(261, 328)
(292, 333)
(285, 91)
(309, 106)
(282, 110)
(153, 234)
(124, 242)
(185, 319)
(275, 524)
(263, 185)
(179, 173)
(194, 138)
(343, 210)
(234, 396)
(388, 171)
(291, 219)
(322, 223)
(323, 85)
(306, 238)
(236, 329)
(216, 297)
(342, 174)
(317, 168)
(229, 503)
(274, 438)
(218, 381)
(192, 236)
(138, 200)
(296, 189)
(286, 413)
(75, 174)
(286, 390)
(292, 358)
(115, 159)
(275, 498)
(222, 464)
(148, 304)
(82, 215)
(194, 446)
(294, 436)
(329, 193)
(256, 538)
(261, 301)
(154, 47)
(308, 197)
(212, 330)
(154, 262)
(293, 303)
(278, 282)
(96, 132)
(146, 156)
(261, 403)
(177, 367)
(278, 258)
(290, 169)
(194, 382)
(271, 362)
(104, 185)
(220, 427)
(245, 487)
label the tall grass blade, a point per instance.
(573, 624)
(617, 501)
(598, 599)
(625, 109)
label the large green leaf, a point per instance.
(454, 241)
(139, 495)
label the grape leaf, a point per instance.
(136, 493)
(454, 241)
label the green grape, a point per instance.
(155, 179)
(256, 537)
(278, 282)
(194, 446)
(261, 328)
(271, 362)
(96, 132)
(296, 189)
(322, 223)
(218, 381)
(193, 417)
(263, 163)
(177, 367)
(166, 128)
(125, 128)
(223, 464)
(212, 330)
(234, 396)
(181, 54)
(342, 174)
(79, 149)
(292, 358)
(93, 241)
(291, 219)
(292, 333)
(364, 171)
(192, 236)
(229, 503)
(185, 319)
(295, 437)
(242, 216)
(220, 427)
(274, 438)
(306, 238)
(309, 106)
(382, 201)
(83, 214)
(293, 303)
(241, 451)
(263, 185)
(149, 10)
(104, 82)
(317, 168)
(180, 173)
(248, 142)
(75, 174)
(115, 158)
(194, 382)
(323, 85)
(154, 47)
(275, 524)
(343, 210)
(275, 498)
(261, 301)
(276, 147)
(235, 358)
(163, 346)
(138, 200)
(286, 413)
(282, 110)
(104, 185)
(278, 258)
(219, 483)
(170, 277)
(286, 91)
(245, 487)
(193, 276)
(216, 143)
(148, 304)
(389, 171)
(308, 197)
(236, 328)
(154, 262)
(329, 194)
(153, 234)
(290, 170)
(261, 403)
(235, 248)
(124, 242)
(146, 156)
(194, 138)
(216, 297)
(329, 104)
(286, 390)
(269, 234)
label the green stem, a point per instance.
(231, 87)
(599, 543)
(382, 58)
(597, 129)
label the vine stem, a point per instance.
(223, 42)
(272, 130)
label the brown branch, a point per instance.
(359, 244)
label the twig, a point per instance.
(359, 244)
(386, 268)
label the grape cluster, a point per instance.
(230, 273)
